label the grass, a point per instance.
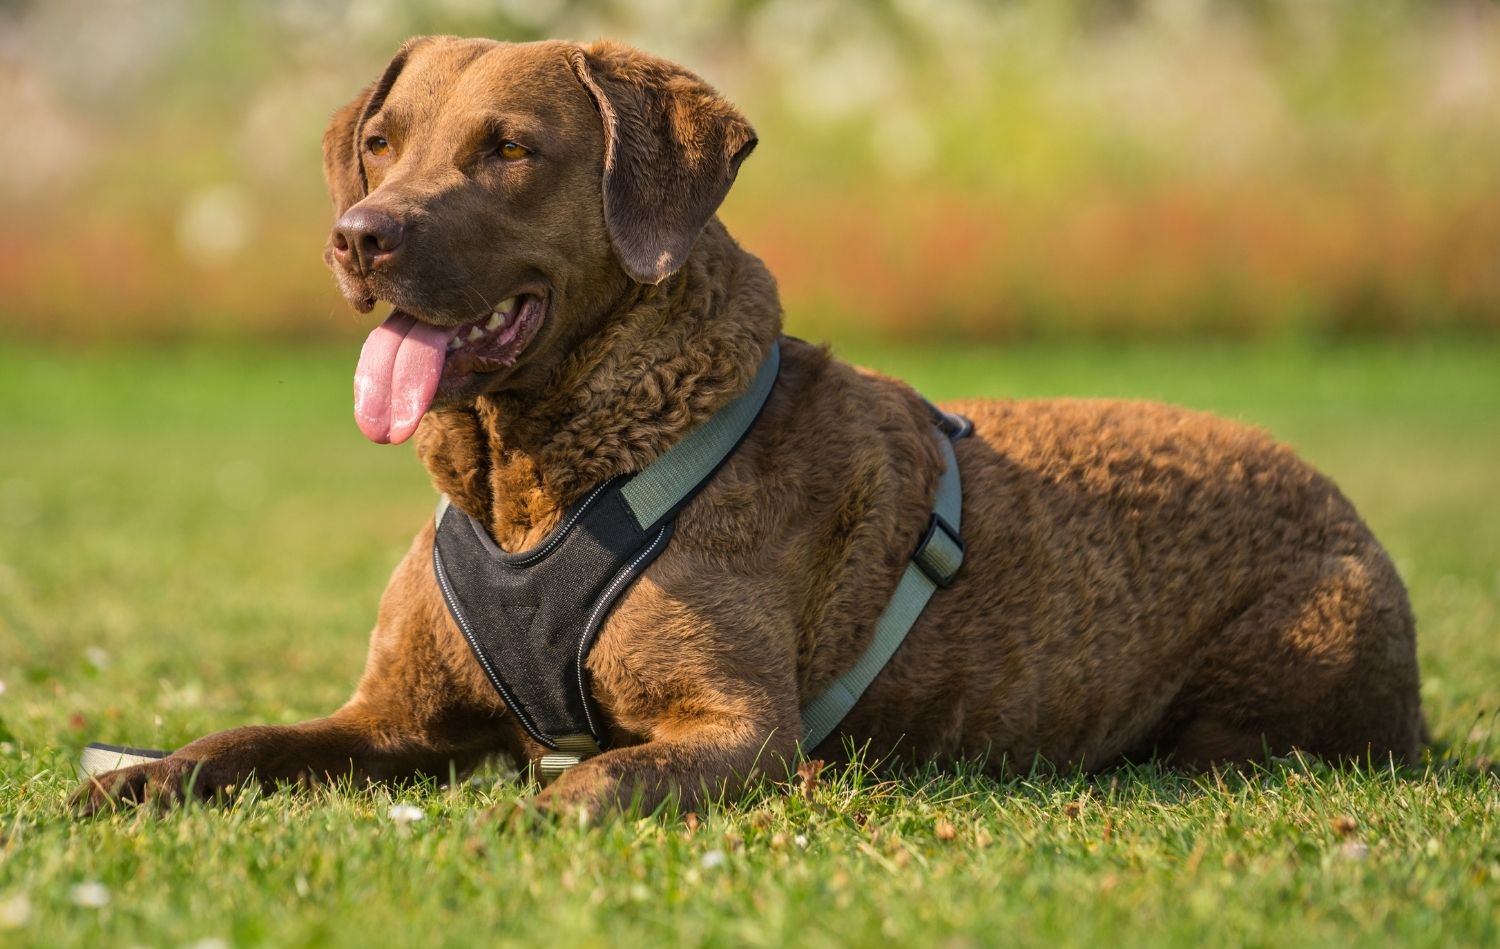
(194, 538)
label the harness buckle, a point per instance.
(950, 424)
(940, 552)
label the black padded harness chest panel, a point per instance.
(532, 617)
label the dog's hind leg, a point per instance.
(1325, 663)
(709, 763)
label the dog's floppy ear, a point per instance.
(343, 164)
(672, 147)
(342, 170)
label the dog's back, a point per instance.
(1146, 579)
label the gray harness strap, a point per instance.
(656, 491)
(939, 555)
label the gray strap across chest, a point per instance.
(530, 618)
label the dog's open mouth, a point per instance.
(406, 362)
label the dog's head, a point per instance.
(501, 196)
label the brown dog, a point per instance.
(1140, 579)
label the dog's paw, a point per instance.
(165, 783)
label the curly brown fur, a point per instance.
(1140, 579)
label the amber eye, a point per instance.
(510, 151)
(378, 146)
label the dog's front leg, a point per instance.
(711, 762)
(352, 743)
(422, 707)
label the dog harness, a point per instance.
(532, 617)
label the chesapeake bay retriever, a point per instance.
(1140, 579)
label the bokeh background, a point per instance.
(974, 170)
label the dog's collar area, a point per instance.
(531, 618)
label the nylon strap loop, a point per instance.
(571, 749)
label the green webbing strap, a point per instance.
(937, 559)
(681, 468)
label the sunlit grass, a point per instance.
(193, 538)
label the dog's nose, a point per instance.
(366, 238)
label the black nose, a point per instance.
(366, 238)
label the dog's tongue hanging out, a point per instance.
(398, 373)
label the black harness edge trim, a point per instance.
(617, 587)
(525, 558)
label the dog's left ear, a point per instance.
(672, 147)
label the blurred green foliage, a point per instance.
(949, 167)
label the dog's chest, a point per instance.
(531, 618)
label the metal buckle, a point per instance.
(958, 426)
(952, 425)
(940, 561)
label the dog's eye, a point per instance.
(511, 151)
(377, 146)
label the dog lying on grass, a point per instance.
(1140, 580)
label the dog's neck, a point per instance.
(666, 359)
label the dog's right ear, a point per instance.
(342, 170)
(343, 166)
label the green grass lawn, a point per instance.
(194, 538)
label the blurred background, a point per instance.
(974, 170)
(1284, 211)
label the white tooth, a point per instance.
(454, 343)
(495, 322)
(476, 333)
(505, 306)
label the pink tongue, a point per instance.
(398, 373)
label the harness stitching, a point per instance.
(557, 536)
(609, 592)
(489, 670)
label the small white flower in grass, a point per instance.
(800, 840)
(15, 911)
(1354, 850)
(404, 814)
(92, 894)
(712, 859)
(97, 657)
(2, 686)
